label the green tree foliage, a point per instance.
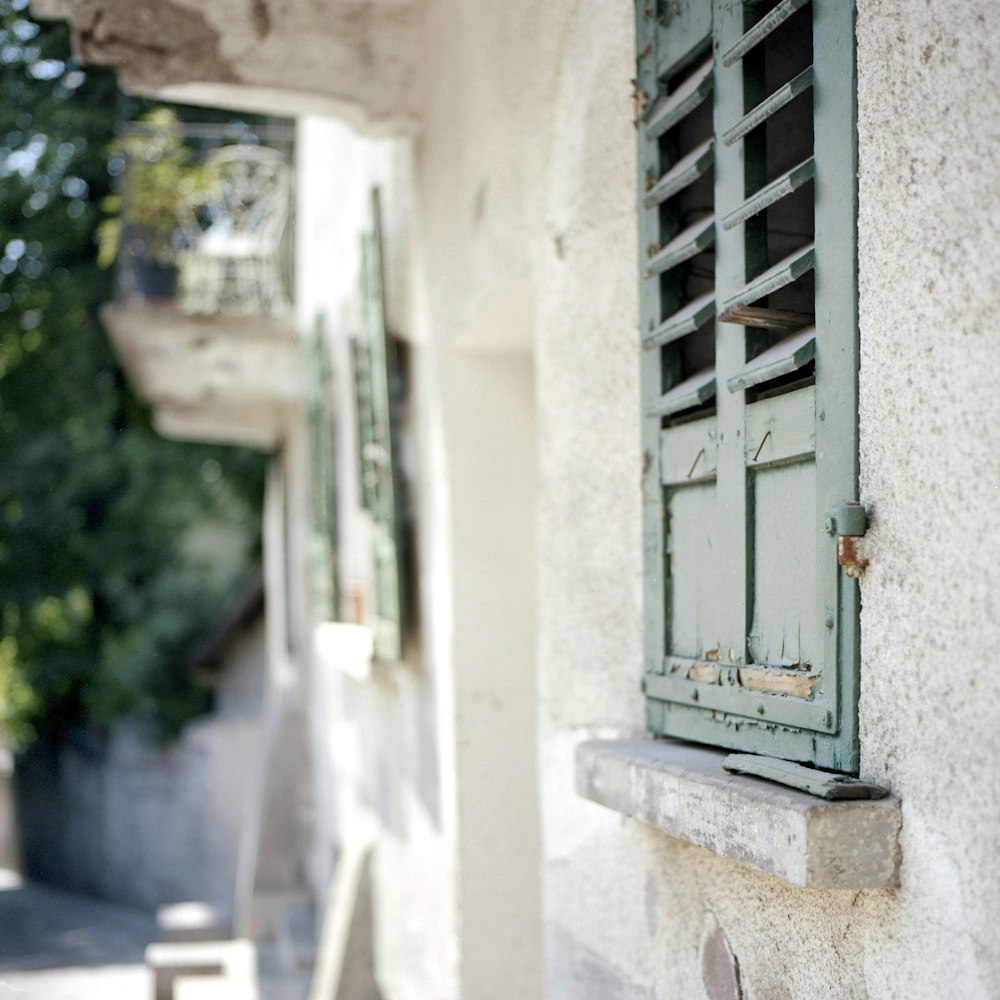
(117, 547)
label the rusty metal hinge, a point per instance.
(849, 522)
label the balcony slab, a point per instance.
(227, 379)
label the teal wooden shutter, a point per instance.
(747, 160)
(322, 476)
(376, 381)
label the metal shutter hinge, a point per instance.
(849, 522)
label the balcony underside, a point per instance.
(228, 379)
(355, 59)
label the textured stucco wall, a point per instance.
(632, 914)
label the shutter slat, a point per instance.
(685, 245)
(785, 357)
(769, 106)
(767, 319)
(693, 391)
(692, 317)
(783, 273)
(683, 174)
(668, 111)
(773, 192)
(768, 23)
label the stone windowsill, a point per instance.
(682, 790)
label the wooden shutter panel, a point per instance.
(749, 320)
(322, 476)
(376, 382)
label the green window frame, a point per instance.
(748, 301)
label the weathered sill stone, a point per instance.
(682, 790)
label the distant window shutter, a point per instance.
(322, 475)
(749, 342)
(376, 385)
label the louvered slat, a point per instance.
(770, 106)
(668, 111)
(684, 173)
(685, 245)
(779, 188)
(768, 23)
(693, 391)
(692, 317)
(783, 273)
(785, 357)
(766, 319)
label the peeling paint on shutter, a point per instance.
(749, 344)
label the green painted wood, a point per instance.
(784, 629)
(322, 475)
(790, 691)
(837, 348)
(767, 24)
(787, 270)
(693, 391)
(805, 779)
(655, 45)
(696, 615)
(769, 106)
(376, 374)
(785, 357)
(688, 243)
(781, 429)
(688, 453)
(669, 110)
(683, 174)
(808, 719)
(772, 193)
(692, 317)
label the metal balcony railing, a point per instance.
(203, 216)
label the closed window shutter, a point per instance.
(749, 342)
(322, 476)
(376, 382)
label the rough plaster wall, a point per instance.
(641, 915)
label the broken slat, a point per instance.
(669, 110)
(767, 319)
(769, 106)
(785, 357)
(682, 174)
(779, 188)
(787, 270)
(685, 245)
(768, 23)
(823, 784)
(692, 317)
(693, 391)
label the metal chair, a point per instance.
(233, 234)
